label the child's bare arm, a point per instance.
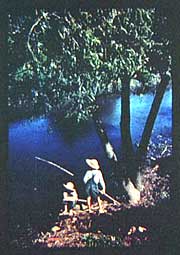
(65, 195)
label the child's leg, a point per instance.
(65, 208)
(100, 205)
(70, 212)
(89, 202)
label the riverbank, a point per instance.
(123, 225)
(119, 227)
(123, 228)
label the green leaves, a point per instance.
(24, 72)
(74, 58)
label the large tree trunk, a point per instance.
(116, 167)
(128, 170)
(123, 170)
(127, 146)
(142, 149)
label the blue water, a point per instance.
(33, 182)
(140, 108)
(28, 139)
(39, 137)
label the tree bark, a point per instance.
(127, 146)
(142, 149)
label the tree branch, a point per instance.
(29, 38)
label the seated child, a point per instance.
(70, 198)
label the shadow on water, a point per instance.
(35, 188)
(71, 130)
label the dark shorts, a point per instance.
(92, 190)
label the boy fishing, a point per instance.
(94, 180)
(70, 198)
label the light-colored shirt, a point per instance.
(70, 195)
(97, 177)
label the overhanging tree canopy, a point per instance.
(71, 58)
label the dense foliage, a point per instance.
(62, 61)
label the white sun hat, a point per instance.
(93, 163)
(69, 185)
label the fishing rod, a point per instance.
(56, 165)
(79, 199)
(111, 198)
(70, 173)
